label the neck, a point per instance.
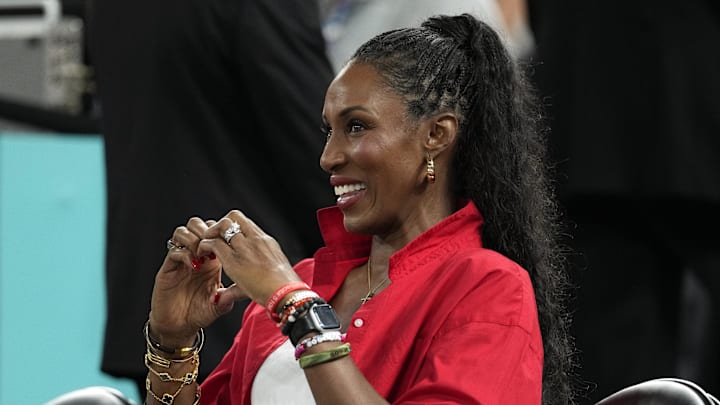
(413, 224)
(384, 246)
(380, 253)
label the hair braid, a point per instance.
(459, 64)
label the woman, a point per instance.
(440, 266)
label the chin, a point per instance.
(355, 224)
(352, 226)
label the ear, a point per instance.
(442, 133)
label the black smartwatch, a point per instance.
(319, 318)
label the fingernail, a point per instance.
(216, 298)
(195, 264)
(211, 256)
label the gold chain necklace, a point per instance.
(372, 290)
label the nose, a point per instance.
(332, 156)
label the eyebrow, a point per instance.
(346, 111)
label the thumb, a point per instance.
(225, 298)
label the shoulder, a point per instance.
(487, 266)
(495, 290)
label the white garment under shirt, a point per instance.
(281, 381)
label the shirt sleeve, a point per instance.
(216, 388)
(488, 351)
(483, 363)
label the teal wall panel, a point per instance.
(52, 308)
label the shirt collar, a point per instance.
(463, 225)
(461, 229)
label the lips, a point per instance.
(347, 190)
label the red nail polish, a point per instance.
(195, 264)
(216, 298)
(211, 256)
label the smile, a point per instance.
(348, 188)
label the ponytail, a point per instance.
(459, 64)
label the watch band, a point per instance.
(319, 318)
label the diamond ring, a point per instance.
(232, 231)
(172, 245)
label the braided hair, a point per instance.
(459, 64)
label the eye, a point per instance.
(327, 131)
(356, 126)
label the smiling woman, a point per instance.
(376, 154)
(440, 279)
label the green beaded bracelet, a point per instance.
(311, 360)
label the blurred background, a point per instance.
(631, 95)
(52, 206)
(52, 221)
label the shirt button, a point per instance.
(358, 322)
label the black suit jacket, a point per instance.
(207, 105)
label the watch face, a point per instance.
(326, 315)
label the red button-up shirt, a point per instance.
(458, 324)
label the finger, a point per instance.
(249, 228)
(189, 241)
(185, 237)
(225, 298)
(197, 226)
(217, 229)
(215, 247)
(225, 229)
(178, 257)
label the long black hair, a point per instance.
(459, 64)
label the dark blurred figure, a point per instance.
(209, 93)
(632, 89)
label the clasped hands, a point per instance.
(188, 292)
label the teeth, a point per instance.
(347, 188)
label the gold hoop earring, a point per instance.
(430, 168)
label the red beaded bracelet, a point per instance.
(274, 300)
(293, 310)
(295, 301)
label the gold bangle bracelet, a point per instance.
(180, 351)
(186, 379)
(165, 363)
(311, 360)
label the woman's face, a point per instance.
(374, 153)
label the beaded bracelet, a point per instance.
(294, 301)
(280, 293)
(293, 311)
(317, 339)
(298, 312)
(312, 360)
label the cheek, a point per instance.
(386, 160)
(396, 171)
(369, 156)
